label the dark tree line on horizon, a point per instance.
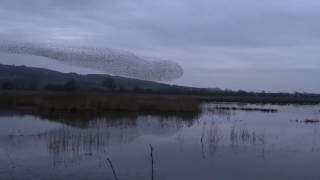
(109, 84)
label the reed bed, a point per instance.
(99, 102)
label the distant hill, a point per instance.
(23, 77)
(29, 78)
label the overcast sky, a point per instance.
(248, 44)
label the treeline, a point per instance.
(69, 85)
(110, 85)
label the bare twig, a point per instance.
(202, 144)
(113, 171)
(152, 168)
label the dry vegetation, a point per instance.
(262, 99)
(98, 102)
(267, 110)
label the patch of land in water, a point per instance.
(281, 100)
(245, 109)
(307, 121)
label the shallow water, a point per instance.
(218, 144)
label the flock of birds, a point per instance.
(110, 61)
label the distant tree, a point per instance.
(109, 83)
(8, 85)
(136, 89)
(52, 87)
(70, 85)
(241, 92)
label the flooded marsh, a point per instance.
(219, 143)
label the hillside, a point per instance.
(23, 77)
(34, 79)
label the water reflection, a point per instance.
(210, 139)
(80, 138)
(245, 136)
(83, 119)
(214, 145)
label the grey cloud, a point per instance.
(177, 23)
(202, 33)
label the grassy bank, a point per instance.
(44, 102)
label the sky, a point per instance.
(271, 45)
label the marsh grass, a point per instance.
(306, 121)
(311, 121)
(281, 100)
(99, 102)
(266, 110)
(245, 136)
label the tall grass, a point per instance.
(98, 102)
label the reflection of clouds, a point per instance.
(80, 139)
(214, 135)
(254, 141)
(245, 136)
(115, 62)
(69, 145)
(211, 137)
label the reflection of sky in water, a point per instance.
(217, 145)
